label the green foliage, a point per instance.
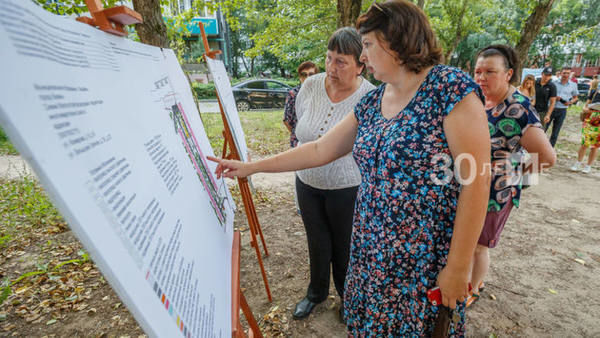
(5, 290)
(294, 30)
(24, 201)
(204, 90)
(6, 147)
(264, 131)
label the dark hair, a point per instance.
(508, 55)
(565, 68)
(346, 41)
(307, 65)
(405, 27)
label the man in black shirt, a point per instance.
(545, 94)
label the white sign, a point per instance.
(221, 80)
(111, 129)
(536, 72)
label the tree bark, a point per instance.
(530, 30)
(459, 31)
(421, 4)
(153, 30)
(348, 11)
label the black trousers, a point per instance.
(327, 217)
(556, 119)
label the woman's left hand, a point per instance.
(454, 285)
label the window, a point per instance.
(256, 85)
(275, 85)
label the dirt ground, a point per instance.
(544, 278)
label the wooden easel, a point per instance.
(254, 225)
(113, 20)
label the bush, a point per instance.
(204, 90)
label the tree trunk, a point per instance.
(421, 4)
(530, 30)
(459, 32)
(153, 30)
(348, 11)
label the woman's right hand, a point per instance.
(231, 168)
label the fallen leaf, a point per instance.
(51, 321)
(105, 298)
(9, 327)
(91, 311)
(575, 221)
(22, 289)
(32, 317)
(552, 291)
(580, 261)
(117, 305)
(492, 297)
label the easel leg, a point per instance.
(254, 329)
(257, 229)
(250, 210)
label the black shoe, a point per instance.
(303, 308)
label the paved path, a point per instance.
(12, 167)
(208, 106)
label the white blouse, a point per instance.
(316, 115)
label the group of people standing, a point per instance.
(551, 100)
(405, 186)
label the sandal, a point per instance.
(472, 299)
(481, 287)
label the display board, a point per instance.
(536, 72)
(223, 86)
(112, 131)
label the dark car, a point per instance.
(260, 94)
(583, 89)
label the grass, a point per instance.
(264, 131)
(6, 148)
(25, 213)
(23, 203)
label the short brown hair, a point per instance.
(346, 41)
(307, 65)
(405, 27)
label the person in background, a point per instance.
(527, 88)
(514, 126)
(566, 93)
(590, 133)
(416, 224)
(306, 69)
(545, 94)
(593, 85)
(574, 78)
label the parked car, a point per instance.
(263, 93)
(583, 89)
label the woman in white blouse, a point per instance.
(326, 194)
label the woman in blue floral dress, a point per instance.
(415, 224)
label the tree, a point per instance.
(348, 11)
(531, 28)
(153, 30)
(453, 21)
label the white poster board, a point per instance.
(112, 131)
(536, 72)
(221, 80)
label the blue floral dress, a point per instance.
(403, 219)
